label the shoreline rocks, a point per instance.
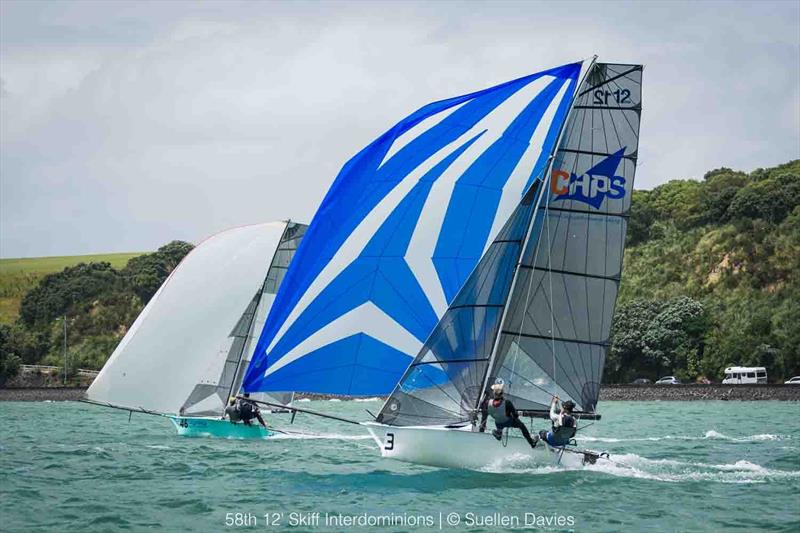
(628, 393)
(691, 392)
(41, 394)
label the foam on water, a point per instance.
(636, 466)
(317, 436)
(93, 466)
(711, 434)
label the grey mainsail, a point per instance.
(553, 336)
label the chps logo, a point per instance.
(592, 187)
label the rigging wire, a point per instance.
(527, 290)
(550, 280)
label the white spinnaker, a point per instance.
(181, 337)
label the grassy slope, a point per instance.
(17, 276)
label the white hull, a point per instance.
(462, 448)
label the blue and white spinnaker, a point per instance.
(399, 232)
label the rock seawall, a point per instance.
(628, 393)
(40, 394)
(651, 393)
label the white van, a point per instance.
(738, 375)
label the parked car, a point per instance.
(739, 375)
(668, 380)
(641, 381)
(792, 381)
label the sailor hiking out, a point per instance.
(504, 413)
(245, 410)
(564, 426)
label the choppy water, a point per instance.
(679, 466)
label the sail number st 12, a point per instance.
(620, 96)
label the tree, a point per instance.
(146, 273)
(57, 293)
(651, 338)
(643, 214)
(771, 199)
(626, 359)
(720, 187)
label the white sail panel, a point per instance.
(182, 337)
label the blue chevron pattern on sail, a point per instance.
(401, 228)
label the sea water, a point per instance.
(674, 466)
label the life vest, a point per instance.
(566, 430)
(498, 412)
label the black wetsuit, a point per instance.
(505, 416)
(248, 410)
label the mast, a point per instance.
(532, 221)
(237, 375)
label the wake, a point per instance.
(668, 470)
(665, 470)
(709, 435)
(297, 435)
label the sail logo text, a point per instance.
(593, 186)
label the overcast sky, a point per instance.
(126, 125)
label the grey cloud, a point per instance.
(124, 125)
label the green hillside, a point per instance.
(711, 277)
(18, 276)
(710, 280)
(100, 296)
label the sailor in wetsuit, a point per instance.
(564, 426)
(244, 411)
(504, 413)
(232, 411)
(248, 410)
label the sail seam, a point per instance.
(609, 80)
(631, 157)
(593, 213)
(610, 108)
(449, 361)
(472, 306)
(559, 339)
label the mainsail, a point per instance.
(210, 398)
(399, 232)
(187, 340)
(557, 310)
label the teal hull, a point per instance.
(215, 427)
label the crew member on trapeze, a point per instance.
(564, 426)
(504, 413)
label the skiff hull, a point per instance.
(463, 448)
(215, 427)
